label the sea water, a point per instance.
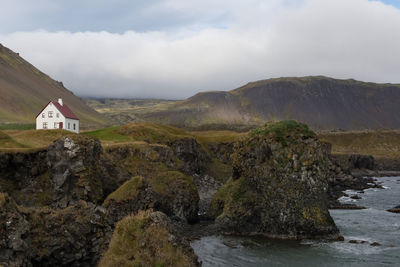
(373, 224)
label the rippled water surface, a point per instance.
(373, 224)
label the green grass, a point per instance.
(284, 131)
(109, 134)
(17, 126)
(282, 128)
(8, 142)
(148, 132)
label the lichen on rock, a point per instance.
(278, 187)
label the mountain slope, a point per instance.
(321, 102)
(24, 90)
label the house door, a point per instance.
(61, 125)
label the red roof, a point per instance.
(65, 110)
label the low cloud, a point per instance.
(342, 38)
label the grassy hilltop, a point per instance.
(380, 144)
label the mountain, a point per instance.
(24, 91)
(321, 102)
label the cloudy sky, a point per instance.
(175, 48)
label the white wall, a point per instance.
(70, 123)
(50, 121)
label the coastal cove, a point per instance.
(365, 226)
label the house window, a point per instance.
(69, 127)
(58, 115)
(56, 125)
(50, 114)
(43, 116)
(44, 125)
(74, 126)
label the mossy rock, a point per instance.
(284, 131)
(146, 239)
(170, 192)
(279, 185)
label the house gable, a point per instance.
(57, 116)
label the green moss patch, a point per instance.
(129, 190)
(109, 134)
(138, 242)
(283, 129)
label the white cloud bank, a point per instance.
(341, 38)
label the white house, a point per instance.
(57, 115)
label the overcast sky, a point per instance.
(175, 48)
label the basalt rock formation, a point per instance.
(51, 214)
(73, 236)
(278, 187)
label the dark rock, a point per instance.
(206, 186)
(388, 164)
(75, 170)
(395, 209)
(341, 206)
(190, 152)
(355, 197)
(375, 244)
(48, 237)
(171, 192)
(357, 241)
(222, 151)
(278, 188)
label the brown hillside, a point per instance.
(24, 90)
(321, 102)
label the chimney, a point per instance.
(60, 101)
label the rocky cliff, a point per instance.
(52, 213)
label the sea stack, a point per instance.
(278, 187)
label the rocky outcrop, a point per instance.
(222, 151)
(279, 185)
(147, 239)
(206, 186)
(13, 226)
(387, 164)
(74, 236)
(75, 170)
(171, 192)
(189, 151)
(71, 169)
(354, 161)
(18, 171)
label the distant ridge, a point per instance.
(321, 102)
(24, 90)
